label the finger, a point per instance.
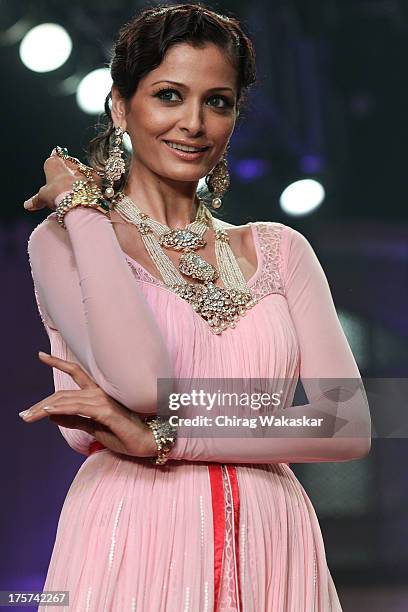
(73, 369)
(82, 408)
(78, 422)
(34, 203)
(36, 412)
(55, 162)
(121, 433)
(99, 432)
(121, 424)
(40, 200)
(74, 422)
(74, 164)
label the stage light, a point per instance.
(45, 47)
(251, 169)
(92, 91)
(311, 164)
(302, 197)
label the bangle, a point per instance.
(84, 193)
(165, 436)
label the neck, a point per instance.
(173, 203)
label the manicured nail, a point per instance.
(24, 413)
(42, 354)
(28, 204)
(48, 408)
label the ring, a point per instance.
(61, 151)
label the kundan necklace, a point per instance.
(220, 307)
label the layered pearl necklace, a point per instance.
(220, 307)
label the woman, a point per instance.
(223, 525)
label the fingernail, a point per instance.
(42, 354)
(51, 408)
(24, 413)
(28, 204)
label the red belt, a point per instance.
(95, 446)
(218, 506)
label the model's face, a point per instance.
(199, 110)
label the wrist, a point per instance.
(165, 436)
(149, 445)
(85, 194)
(60, 196)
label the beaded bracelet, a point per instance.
(84, 193)
(165, 436)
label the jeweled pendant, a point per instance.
(180, 239)
(192, 264)
(220, 308)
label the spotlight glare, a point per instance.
(302, 197)
(92, 91)
(45, 47)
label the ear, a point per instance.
(118, 109)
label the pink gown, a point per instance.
(220, 527)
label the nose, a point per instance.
(192, 119)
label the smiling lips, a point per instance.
(186, 151)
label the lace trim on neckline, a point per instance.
(270, 279)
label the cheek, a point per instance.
(145, 121)
(156, 123)
(220, 128)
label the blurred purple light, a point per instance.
(311, 164)
(250, 169)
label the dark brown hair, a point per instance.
(141, 46)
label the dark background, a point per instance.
(330, 104)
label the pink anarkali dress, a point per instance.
(220, 527)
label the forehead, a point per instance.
(206, 66)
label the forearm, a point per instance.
(86, 292)
(123, 334)
(322, 431)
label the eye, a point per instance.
(162, 94)
(227, 102)
(166, 93)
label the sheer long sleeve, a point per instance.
(327, 370)
(87, 292)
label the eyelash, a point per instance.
(170, 90)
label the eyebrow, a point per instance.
(185, 86)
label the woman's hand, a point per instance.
(60, 175)
(92, 410)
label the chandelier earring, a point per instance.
(115, 165)
(218, 180)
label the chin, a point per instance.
(186, 175)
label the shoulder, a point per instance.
(288, 236)
(270, 234)
(284, 247)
